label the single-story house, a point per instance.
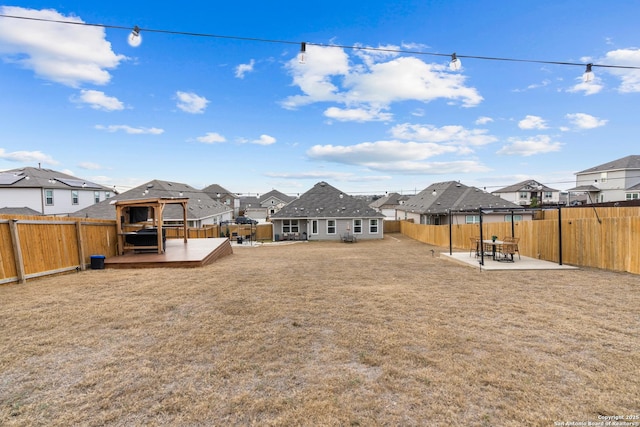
(433, 205)
(201, 209)
(388, 205)
(326, 213)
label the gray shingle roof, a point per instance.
(325, 201)
(629, 162)
(276, 195)
(392, 199)
(200, 205)
(30, 177)
(527, 185)
(453, 195)
(19, 211)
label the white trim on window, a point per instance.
(357, 226)
(331, 226)
(48, 197)
(373, 226)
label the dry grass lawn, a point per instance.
(372, 333)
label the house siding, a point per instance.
(342, 225)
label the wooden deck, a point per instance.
(194, 253)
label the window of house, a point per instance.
(48, 197)
(548, 195)
(290, 226)
(314, 226)
(357, 226)
(373, 226)
(472, 219)
(331, 226)
(96, 197)
(524, 195)
(603, 176)
(107, 194)
(507, 218)
(74, 197)
(633, 196)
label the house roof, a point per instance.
(439, 198)
(629, 162)
(584, 188)
(200, 205)
(528, 185)
(30, 177)
(392, 199)
(214, 189)
(325, 201)
(276, 195)
(20, 211)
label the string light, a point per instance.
(303, 53)
(588, 74)
(455, 63)
(135, 38)
(365, 48)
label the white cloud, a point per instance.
(327, 176)
(357, 114)
(130, 130)
(211, 138)
(528, 147)
(190, 102)
(89, 166)
(373, 84)
(27, 157)
(243, 69)
(483, 120)
(66, 54)
(452, 134)
(380, 151)
(98, 100)
(589, 88)
(264, 140)
(532, 122)
(585, 121)
(630, 79)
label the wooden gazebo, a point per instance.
(130, 212)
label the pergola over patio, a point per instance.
(157, 205)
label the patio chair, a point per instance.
(475, 246)
(513, 244)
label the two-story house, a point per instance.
(529, 193)
(49, 192)
(614, 181)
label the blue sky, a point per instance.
(246, 114)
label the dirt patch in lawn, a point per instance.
(319, 333)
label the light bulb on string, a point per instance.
(588, 75)
(303, 53)
(455, 63)
(135, 38)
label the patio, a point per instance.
(522, 263)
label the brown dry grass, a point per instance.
(372, 333)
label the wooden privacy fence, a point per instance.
(36, 246)
(607, 238)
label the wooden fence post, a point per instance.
(80, 245)
(17, 250)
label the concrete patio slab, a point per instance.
(525, 263)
